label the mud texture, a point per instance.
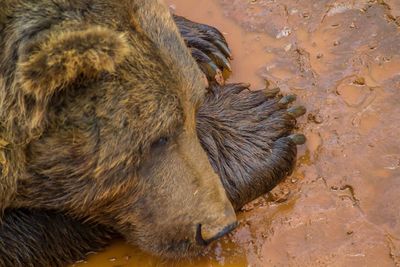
(341, 207)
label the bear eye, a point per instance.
(160, 142)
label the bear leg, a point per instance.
(30, 238)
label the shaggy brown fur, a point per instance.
(97, 117)
(97, 123)
(252, 160)
(48, 239)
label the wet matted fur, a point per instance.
(234, 126)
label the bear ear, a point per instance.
(61, 57)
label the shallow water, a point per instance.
(340, 207)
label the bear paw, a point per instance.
(208, 46)
(249, 138)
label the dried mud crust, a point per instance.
(249, 138)
(341, 58)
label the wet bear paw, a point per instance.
(249, 137)
(208, 46)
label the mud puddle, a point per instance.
(340, 207)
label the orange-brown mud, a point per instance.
(341, 207)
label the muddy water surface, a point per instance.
(342, 205)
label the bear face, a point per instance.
(99, 112)
(232, 121)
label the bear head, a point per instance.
(99, 118)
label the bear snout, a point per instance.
(206, 234)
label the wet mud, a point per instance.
(341, 207)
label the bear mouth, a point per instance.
(199, 238)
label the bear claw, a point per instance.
(297, 111)
(287, 99)
(224, 48)
(210, 42)
(298, 139)
(221, 60)
(271, 93)
(207, 66)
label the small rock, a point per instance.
(316, 118)
(279, 195)
(285, 32)
(288, 47)
(247, 208)
(360, 81)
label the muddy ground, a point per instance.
(341, 207)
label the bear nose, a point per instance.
(207, 233)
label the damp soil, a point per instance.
(342, 204)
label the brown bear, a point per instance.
(234, 126)
(97, 124)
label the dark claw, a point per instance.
(209, 68)
(212, 72)
(287, 99)
(298, 139)
(237, 88)
(211, 43)
(219, 78)
(221, 60)
(245, 85)
(210, 50)
(224, 48)
(271, 93)
(296, 112)
(233, 88)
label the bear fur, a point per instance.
(97, 120)
(98, 131)
(242, 124)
